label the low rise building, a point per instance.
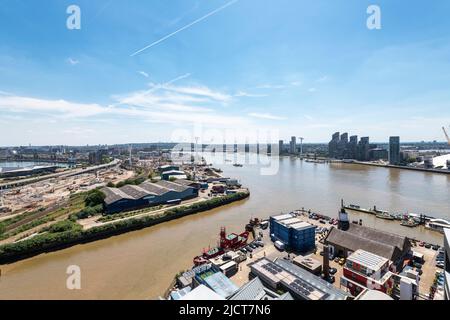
(147, 194)
(301, 284)
(365, 270)
(295, 234)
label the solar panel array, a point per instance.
(273, 269)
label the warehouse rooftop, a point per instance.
(387, 245)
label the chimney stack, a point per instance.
(326, 261)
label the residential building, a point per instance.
(394, 150)
(293, 145)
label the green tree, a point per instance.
(94, 198)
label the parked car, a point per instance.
(435, 247)
(322, 221)
(332, 271)
(321, 253)
(417, 265)
(342, 261)
(249, 249)
(253, 246)
(336, 259)
(427, 245)
(440, 265)
(243, 250)
(421, 244)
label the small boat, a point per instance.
(385, 215)
(237, 165)
(411, 223)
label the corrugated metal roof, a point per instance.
(387, 245)
(252, 290)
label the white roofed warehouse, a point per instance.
(147, 194)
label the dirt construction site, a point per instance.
(47, 193)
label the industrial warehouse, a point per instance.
(132, 197)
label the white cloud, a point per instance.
(201, 91)
(143, 73)
(271, 86)
(73, 61)
(266, 116)
(312, 89)
(165, 104)
(249, 95)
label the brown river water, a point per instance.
(141, 264)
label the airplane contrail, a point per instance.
(185, 27)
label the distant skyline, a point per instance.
(139, 72)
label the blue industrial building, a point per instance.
(296, 235)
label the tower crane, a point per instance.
(446, 135)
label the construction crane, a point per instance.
(446, 135)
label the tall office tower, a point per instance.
(363, 149)
(293, 145)
(280, 147)
(333, 145)
(394, 150)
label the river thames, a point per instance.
(141, 264)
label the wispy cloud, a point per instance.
(249, 95)
(271, 86)
(184, 28)
(266, 116)
(312, 90)
(167, 103)
(144, 74)
(73, 61)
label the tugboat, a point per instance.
(228, 242)
(385, 215)
(411, 223)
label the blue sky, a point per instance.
(303, 68)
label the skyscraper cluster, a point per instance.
(343, 147)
